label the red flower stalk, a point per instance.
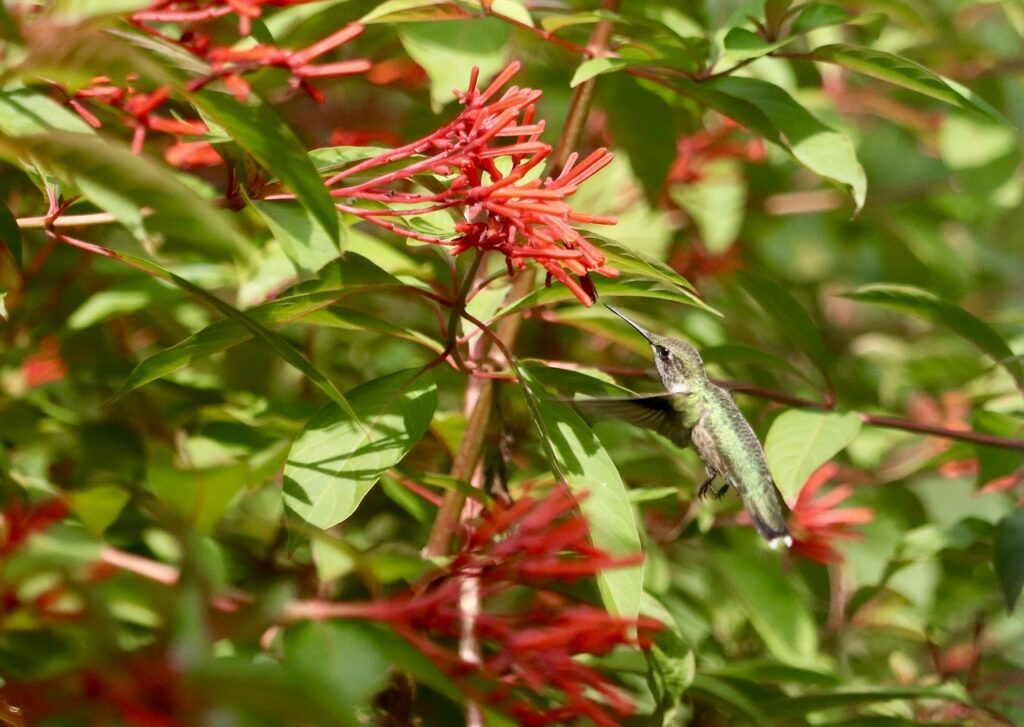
(228, 62)
(504, 208)
(527, 654)
(817, 522)
(137, 110)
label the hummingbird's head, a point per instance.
(678, 361)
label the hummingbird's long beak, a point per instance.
(643, 331)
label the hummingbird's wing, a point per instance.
(650, 412)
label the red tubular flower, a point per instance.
(528, 654)
(816, 522)
(503, 207)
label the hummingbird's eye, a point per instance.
(661, 351)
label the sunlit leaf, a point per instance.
(801, 441)
(258, 129)
(448, 51)
(825, 151)
(155, 203)
(579, 458)
(906, 74)
(755, 578)
(338, 458)
(304, 241)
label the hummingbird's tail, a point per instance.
(769, 521)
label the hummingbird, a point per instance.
(694, 410)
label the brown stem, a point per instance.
(881, 420)
(448, 516)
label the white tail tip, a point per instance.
(784, 539)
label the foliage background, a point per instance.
(855, 237)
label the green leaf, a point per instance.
(284, 349)
(10, 235)
(906, 74)
(728, 698)
(741, 44)
(357, 275)
(671, 664)
(818, 15)
(600, 66)
(201, 495)
(257, 128)
(801, 441)
(631, 107)
(130, 296)
(339, 457)
(155, 202)
(345, 654)
(303, 240)
(98, 507)
(1009, 556)
(268, 692)
(776, 609)
(78, 10)
(804, 704)
(931, 308)
(825, 151)
(406, 11)
(24, 112)
(789, 317)
(448, 51)
(716, 203)
(578, 458)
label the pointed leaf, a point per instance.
(780, 614)
(578, 458)
(257, 128)
(906, 74)
(154, 202)
(630, 107)
(303, 240)
(448, 51)
(338, 457)
(931, 308)
(801, 441)
(825, 151)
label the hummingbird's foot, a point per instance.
(720, 492)
(705, 488)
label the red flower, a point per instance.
(816, 522)
(527, 654)
(19, 522)
(504, 208)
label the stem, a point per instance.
(881, 420)
(96, 218)
(449, 514)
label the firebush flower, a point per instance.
(503, 206)
(817, 522)
(526, 654)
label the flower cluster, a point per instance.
(184, 23)
(817, 521)
(694, 152)
(505, 206)
(527, 653)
